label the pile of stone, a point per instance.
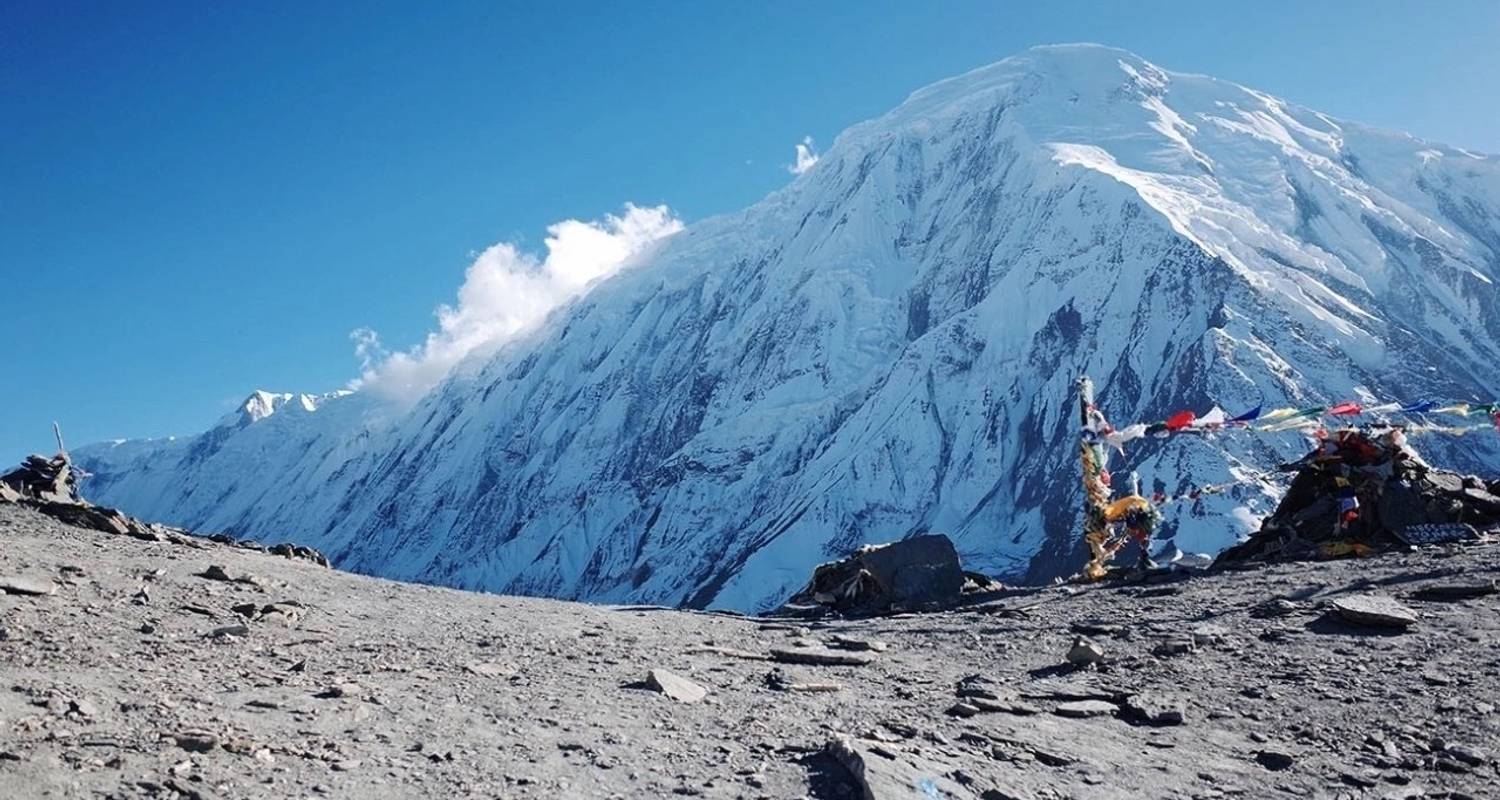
(1363, 491)
(917, 573)
(41, 479)
(50, 486)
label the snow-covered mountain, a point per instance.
(889, 346)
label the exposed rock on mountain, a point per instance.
(888, 347)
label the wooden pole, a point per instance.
(57, 432)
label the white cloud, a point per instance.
(505, 292)
(806, 157)
(367, 348)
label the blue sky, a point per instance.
(199, 199)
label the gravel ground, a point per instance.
(140, 677)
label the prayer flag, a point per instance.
(1180, 420)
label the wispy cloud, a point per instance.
(505, 292)
(806, 157)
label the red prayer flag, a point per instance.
(1349, 409)
(1180, 420)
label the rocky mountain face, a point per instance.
(889, 345)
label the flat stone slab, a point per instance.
(675, 686)
(1004, 705)
(1453, 592)
(821, 657)
(1068, 690)
(27, 585)
(1374, 611)
(1081, 709)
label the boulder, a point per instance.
(1084, 653)
(1152, 708)
(920, 571)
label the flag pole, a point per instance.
(1095, 492)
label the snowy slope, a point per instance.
(888, 346)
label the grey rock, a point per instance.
(196, 741)
(1453, 592)
(1153, 708)
(675, 686)
(1469, 755)
(820, 657)
(1084, 653)
(922, 569)
(1086, 708)
(1095, 628)
(1276, 760)
(728, 652)
(32, 586)
(341, 690)
(1173, 647)
(1207, 635)
(215, 572)
(228, 631)
(883, 773)
(977, 686)
(851, 643)
(1374, 610)
(780, 681)
(1275, 608)
(1446, 481)
(914, 572)
(962, 709)
(282, 613)
(1069, 690)
(1005, 705)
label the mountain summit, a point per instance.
(889, 345)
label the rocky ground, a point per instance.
(132, 668)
